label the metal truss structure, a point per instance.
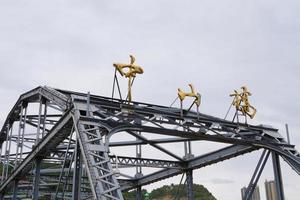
(58, 144)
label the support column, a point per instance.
(278, 176)
(189, 183)
(6, 153)
(23, 133)
(138, 193)
(139, 172)
(15, 190)
(45, 102)
(19, 136)
(287, 133)
(187, 149)
(39, 123)
(36, 184)
(77, 173)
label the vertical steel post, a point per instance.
(138, 168)
(35, 193)
(190, 147)
(114, 83)
(187, 148)
(189, 181)
(1, 160)
(15, 190)
(138, 155)
(4, 162)
(138, 193)
(278, 176)
(186, 151)
(77, 173)
(181, 109)
(36, 183)
(8, 152)
(287, 133)
(38, 129)
(19, 136)
(44, 117)
(88, 104)
(23, 133)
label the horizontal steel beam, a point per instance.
(144, 162)
(178, 133)
(151, 109)
(154, 141)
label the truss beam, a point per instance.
(95, 120)
(58, 133)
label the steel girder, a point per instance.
(195, 163)
(95, 119)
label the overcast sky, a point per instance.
(216, 45)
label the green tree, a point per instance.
(180, 192)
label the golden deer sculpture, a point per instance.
(193, 93)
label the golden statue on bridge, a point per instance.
(130, 73)
(241, 102)
(193, 93)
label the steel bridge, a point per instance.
(58, 144)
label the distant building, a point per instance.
(243, 191)
(271, 192)
(255, 194)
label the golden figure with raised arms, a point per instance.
(133, 69)
(241, 102)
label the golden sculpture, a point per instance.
(130, 74)
(193, 93)
(241, 102)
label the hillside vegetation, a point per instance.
(173, 192)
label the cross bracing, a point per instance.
(57, 144)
